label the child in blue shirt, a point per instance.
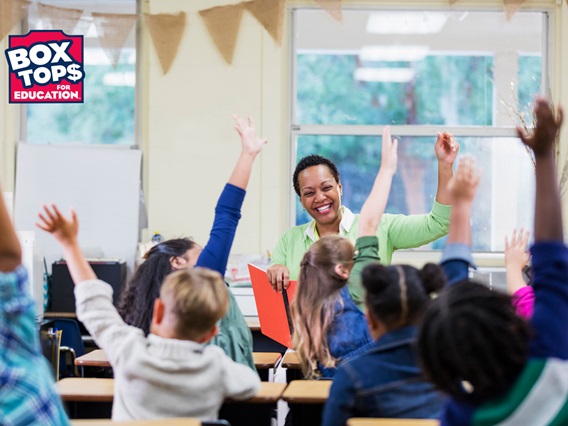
(27, 393)
(497, 367)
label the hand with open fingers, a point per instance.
(252, 144)
(516, 254)
(64, 230)
(541, 139)
(279, 277)
(389, 157)
(463, 185)
(446, 148)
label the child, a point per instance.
(170, 373)
(516, 259)
(328, 323)
(472, 344)
(27, 394)
(137, 299)
(386, 381)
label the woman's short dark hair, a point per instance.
(472, 334)
(137, 299)
(397, 295)
(310, 161)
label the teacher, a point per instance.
(316, 181)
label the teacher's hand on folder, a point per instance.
(279, 277)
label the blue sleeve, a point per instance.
(456, 261)
(215, 254)
(550, 283)
(340, 404)
(17, 313)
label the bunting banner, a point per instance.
(270, 14)
(59, 18)
(333, 7)
(11, 12)
(511, 7)
(166, 32)
(223, 24)
(113, 31)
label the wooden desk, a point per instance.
(79, 389)
(392, 422)
(72, 315)
(96, 358)
(263, 361)
(305, 399)
(158, 422)
(253, 323)
(292, 363)
(255, 411)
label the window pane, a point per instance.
(505, 196)
(431, 68)
(106, 116)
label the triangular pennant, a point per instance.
(511, 7)
(333, 7)
(11, 12)
(270, 13)
(59, 18)
(166, 32)
(223, 23)
(113, 31)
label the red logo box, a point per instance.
(45, 67)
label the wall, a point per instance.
(189, 143)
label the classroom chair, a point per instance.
(72, 346)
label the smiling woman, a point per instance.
(317, 182)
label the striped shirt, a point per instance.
(539, 396)
(27, 394)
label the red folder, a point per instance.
(273, 307)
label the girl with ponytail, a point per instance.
(327, 310)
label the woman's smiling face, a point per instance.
(320, 194)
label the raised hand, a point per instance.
(541, 139)
(389, 157)
(463, 186)
(516, 254)
(252, 144)
(446, 148)
(64, 230)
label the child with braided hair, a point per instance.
(496, 367)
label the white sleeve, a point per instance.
(240, 381)
(93, 300)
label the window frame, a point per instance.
(488, 258)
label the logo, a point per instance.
(45, 67)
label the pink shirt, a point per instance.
(523, 301)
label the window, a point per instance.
(470, 73)
(108, 114)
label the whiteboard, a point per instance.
(101, 183)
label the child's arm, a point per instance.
(93, 297)
(461, 190)
(516, 258)
(374, 207)
(367, 245)
(240, 381)
(10, 250)
(549, 254)
(228, 211)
